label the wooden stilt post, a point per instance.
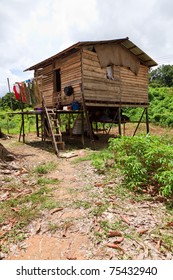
(147, 120)
(37, 126)
(82, 134)
(139, 122)
(22, 129)
(119, 121)
(89, 125)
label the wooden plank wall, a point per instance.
(47, 83)
(97, 88)
(127, 88)
(134, 88)
(70, 68)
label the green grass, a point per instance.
(48, 181)
(82, 204)
(100, 209)
(22, 207)
(11, 123)
(46, 168)
(53, 227)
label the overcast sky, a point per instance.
(33, 30)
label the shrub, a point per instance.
(145, 161)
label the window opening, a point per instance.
(57, 80)
(109, 72)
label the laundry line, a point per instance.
(29, 91)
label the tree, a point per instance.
(9, 102)
(162, 76)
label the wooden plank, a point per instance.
(101, 81)
(70, 66)
(74, 55)
(102, 95)
(59, 61)
(114, 104)
(91, 62)
(101, 87)
(95, 74)
(90, 55)
(93, 68)
(71, 71)
(70, 76)
(136, 92)
(85, 51)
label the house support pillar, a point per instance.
(147, 121)
(139, 122)
(119, 121)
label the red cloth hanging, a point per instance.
(16, 90)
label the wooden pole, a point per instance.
(89, 125)
(119, 121)
(139, 122)
(9, 90)
(22, 129)
(147, 121)
(37, 125)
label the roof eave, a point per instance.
(125, 42)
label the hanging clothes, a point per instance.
(22, 92)
(32, 95)
(37, 92)
(16, 90)
(27, 92)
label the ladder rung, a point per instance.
(54, 126)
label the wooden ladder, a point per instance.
(54, 128)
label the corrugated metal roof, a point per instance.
(143, 57)
(125, 42)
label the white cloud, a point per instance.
(31, 31)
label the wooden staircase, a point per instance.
(53, 123)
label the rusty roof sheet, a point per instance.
(125, 42)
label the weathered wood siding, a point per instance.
(127, 88)
(70, 68)
(134, 88)
(97, 88)
(47, 83)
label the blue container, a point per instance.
(75, 105)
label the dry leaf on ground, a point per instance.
(125, 219)
(142, 230)
(115, 246)
(114, 233)
(56, 210)
(119, 240)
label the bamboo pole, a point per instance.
(9, 89)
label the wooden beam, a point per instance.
(119, 121)
(147, 120)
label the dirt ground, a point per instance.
(80, 227)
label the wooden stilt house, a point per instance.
(97, 75)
